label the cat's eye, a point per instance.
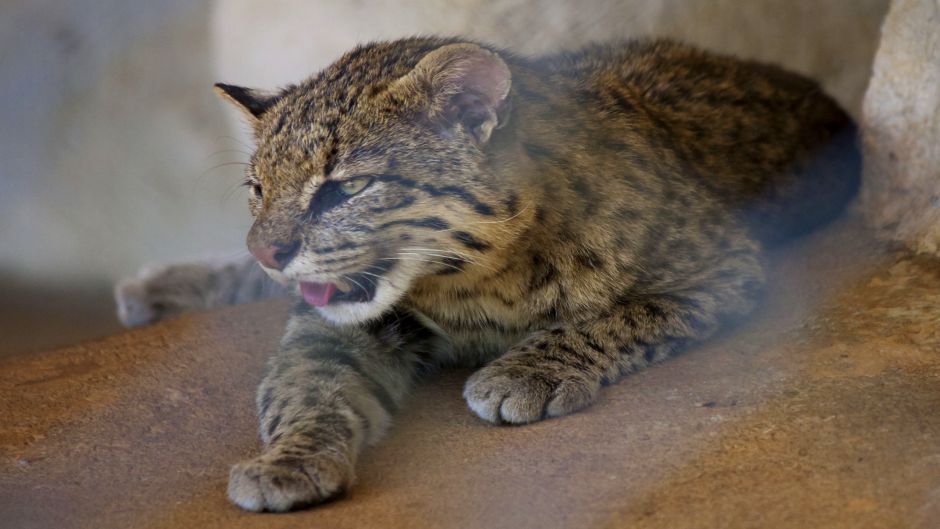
(354, 185)
(334, 192)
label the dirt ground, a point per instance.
(819, 411)
(36, 317)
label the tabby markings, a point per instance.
(452, 191)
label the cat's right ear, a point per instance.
(460, 84)
(253, 103)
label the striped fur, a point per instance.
(561, 221)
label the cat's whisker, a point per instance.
(442, 255)
(228, 193)
(236, 140)
(499, 221)
(353, 281)
(371, 282)
(389, 281)
(229, 151)
(221, 165)
(502, 221)
(453, 255)
(441, 250)
(422, 261)
(463, 255)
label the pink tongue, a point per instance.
(317, 294)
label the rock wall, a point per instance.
(110, 136)
(272, 43)
(901, 128)
(108, 127)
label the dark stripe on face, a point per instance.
(327, 197)
(453, 266)
(403, 203)
(470, 241)
(330, 249)
(340, 259)
(431, 223)
(451, 191)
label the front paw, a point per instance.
(278, 482)
(510, 391)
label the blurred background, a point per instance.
(115, 154)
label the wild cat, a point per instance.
(561, 221)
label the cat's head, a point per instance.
(374, 172)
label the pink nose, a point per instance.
(276, 256)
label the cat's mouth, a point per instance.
(323, 294)
(355, 288)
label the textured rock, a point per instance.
(819, 411)
(109, 135)
(833, 41)
(901, 133)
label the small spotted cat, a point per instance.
(560, 221)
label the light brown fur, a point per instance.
(562, 221)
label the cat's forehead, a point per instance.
(312, 145)
(334, 96)
(328, 116)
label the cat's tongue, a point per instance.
(317, 294)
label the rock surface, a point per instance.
(901, 128)
(819, 411)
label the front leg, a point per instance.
(329, 392)
(560, 370)
(159, 293)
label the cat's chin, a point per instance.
(353, 312)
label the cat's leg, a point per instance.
(328, 393)
(560, 370)
(164, 292)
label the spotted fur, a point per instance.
(561, 221)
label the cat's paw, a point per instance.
(160, 293)
(279, 483)
(514, 392)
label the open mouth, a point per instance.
(359, 288)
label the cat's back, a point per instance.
(768, 141)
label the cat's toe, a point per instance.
(282, 483)
(133, 306)
(512, 395)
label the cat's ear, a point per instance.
(253, 103)
(462, 84)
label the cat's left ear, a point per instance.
(462, 84)
(253, 103)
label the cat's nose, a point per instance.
(275, 256)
